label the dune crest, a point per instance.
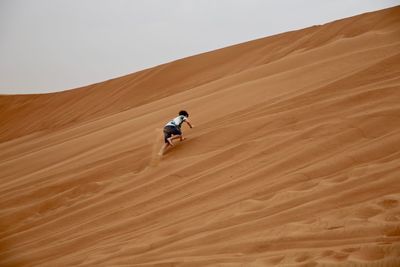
(294, 160)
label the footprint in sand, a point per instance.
(302, 258)
(391, 211)
(389, 203)
(367, 212)
(368, 254)
(276, 260)
(392, 231)
(334, 256)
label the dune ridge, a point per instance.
(294, 160)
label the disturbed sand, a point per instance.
(294, 159)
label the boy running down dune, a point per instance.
(172, 130)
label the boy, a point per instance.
(172, 130)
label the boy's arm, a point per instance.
(188, 122)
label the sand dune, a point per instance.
(294, 160)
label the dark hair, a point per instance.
(184, 113)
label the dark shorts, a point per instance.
(169, 131)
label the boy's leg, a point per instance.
(176, 137)
(169, 140)
(173, 137)
(165, 145)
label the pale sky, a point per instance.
(54, 45)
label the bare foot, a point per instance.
(183, 138)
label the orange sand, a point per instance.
(294, 160)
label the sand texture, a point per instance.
(294, 159)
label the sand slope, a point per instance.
(294, 160)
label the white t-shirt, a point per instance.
(177, 121)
